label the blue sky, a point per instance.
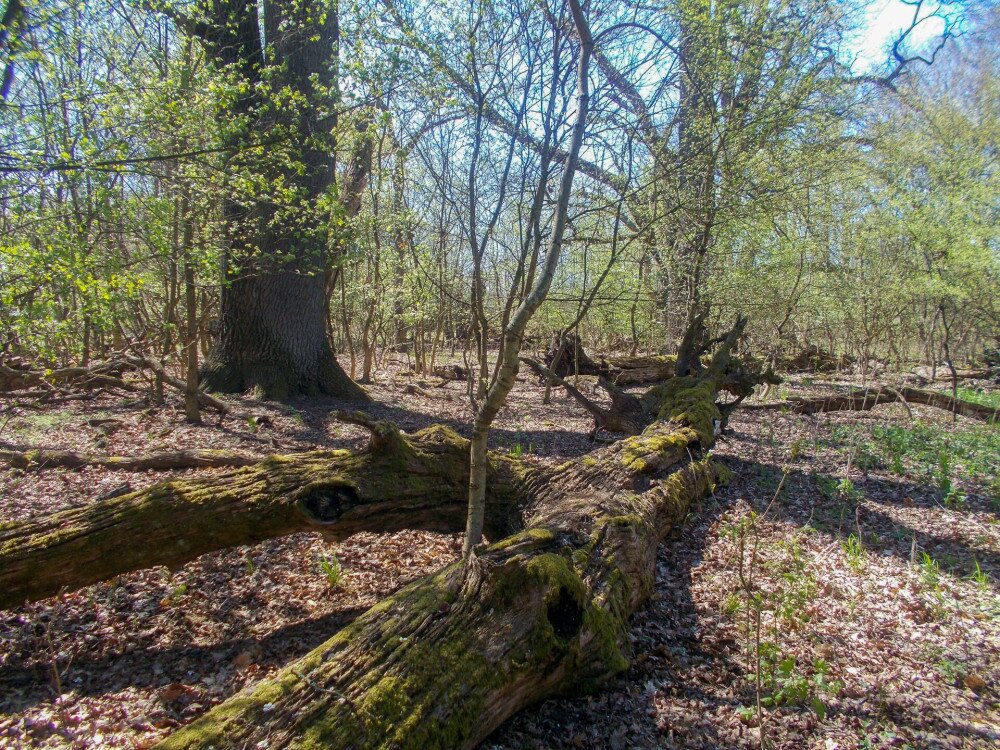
(885, 20)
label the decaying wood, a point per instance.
(397, 482)
(452, 372)
(32, 458)
(632, 414)
(103, 375)
(573, 359)
(626, 414)
(204, 399)
(942, 374)
(813, 358)
(542, 611)
(865, 399)
(566, 356)
(415, 390)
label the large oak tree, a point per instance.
(278, 112)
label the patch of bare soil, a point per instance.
(899, 651)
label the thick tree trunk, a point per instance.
(543, 612)
(276, 211)
(273, 338)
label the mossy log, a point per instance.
(541, 611)
(866, 399)
(632, 414)
(30, 458)
(398, 482)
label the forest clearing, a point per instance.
(542, 374)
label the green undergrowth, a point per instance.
(929, 453)
(979, 396)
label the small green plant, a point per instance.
(943, 474)
(329, 566)
(846, 489)
(970, 451)
(731, 604)
(896, 464)
(980, 577)
(954, 498)
(252, 424)
(827, 486)
(788, 685)
(855, 551)
(795, 450)
(980, 396)
(930, 572)
(174, 595)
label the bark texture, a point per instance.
(632, 414)
(30, 458)
(543, 612)
(276, 211)
(273, 339)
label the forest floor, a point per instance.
(846, 583)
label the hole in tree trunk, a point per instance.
(565, 615)
(326, 503)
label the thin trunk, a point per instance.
(514, 332)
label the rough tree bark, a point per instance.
(397, 482)
(276, 213)
(542, 611)
(33, 458)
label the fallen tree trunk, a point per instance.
(30, 458)
(445, 661)
(942, 374)
(632, 414)
(866, 399)
(440, 664)
(545, 611)
(204, 399)
(567, 357)
(103, 375)
(398, 482)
